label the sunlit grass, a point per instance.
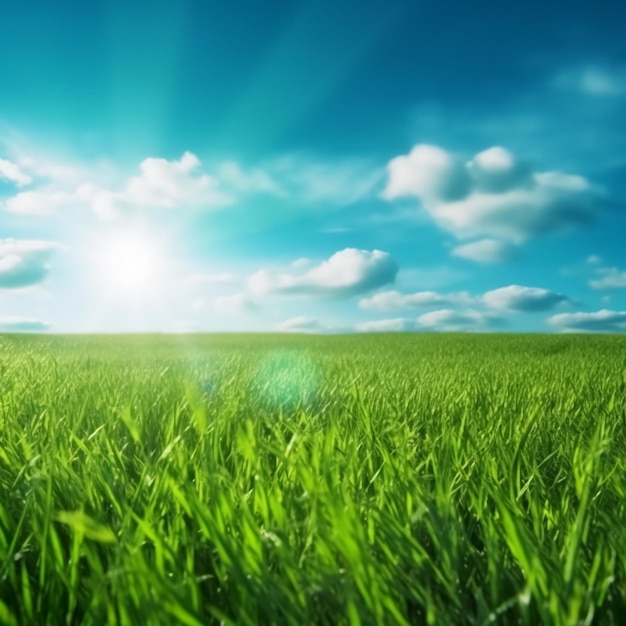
(294, 480)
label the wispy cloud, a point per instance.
(322, 181)
(256, 179)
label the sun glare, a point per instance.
(130, 264)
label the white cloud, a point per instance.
(594, 80)
(237, 304)
(449, 320)
(599, 321)
(22, 325)
(492, 196)
(486, 251)
(174, 184)
(427, 172)
(611, 278)
(346, 273)
(40, 202)
(496, 170)
(12, 172)
(24, 262)
(526, 299)
(594, 259)
(389, 300)
(554, 202)
(398, 324)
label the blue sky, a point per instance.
(313, 166)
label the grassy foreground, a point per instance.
(384, 479)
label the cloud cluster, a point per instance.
(478, 313)
(492, 196)
(599, 321)
(442, 320)
(184, 184)
(510, 298)
(160, 184)
(346, 273)
(24, 262)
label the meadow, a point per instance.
(279, 479)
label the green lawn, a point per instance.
(272, 479)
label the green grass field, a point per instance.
(244, 479)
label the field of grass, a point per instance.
(389, 479)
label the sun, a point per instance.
(130, 264)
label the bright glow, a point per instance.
(130, 264)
